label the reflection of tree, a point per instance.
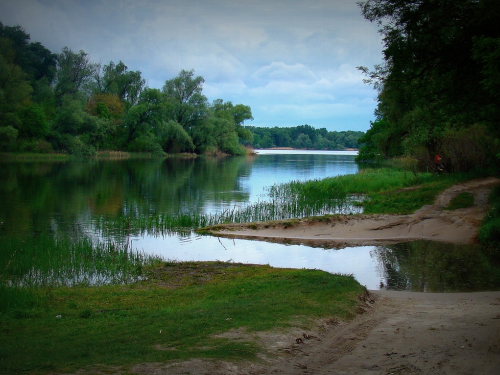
(436, 267)
(43, 196)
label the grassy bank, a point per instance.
(489, 233)
(374, 190)
(179, 312)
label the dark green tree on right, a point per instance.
(439, 84)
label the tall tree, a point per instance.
(74, 72)
(188, 106)
(117, 79)
(436, 75)
(15, 89)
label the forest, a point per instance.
(64, 102)
(304, 137)
(439, 84)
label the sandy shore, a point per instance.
(431, 222)
(395, 333)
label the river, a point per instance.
(37, 197)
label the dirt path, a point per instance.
(431, 222)
(399, 333)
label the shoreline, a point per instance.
(431, 222)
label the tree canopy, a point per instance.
(439, 84)
(66, 102)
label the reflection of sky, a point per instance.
(353, 260)
(292, 167)
(273, 167)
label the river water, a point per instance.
(37, 197)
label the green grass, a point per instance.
(462, 200)
(46, 261)
(174, 315)
(489, 233)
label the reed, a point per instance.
(49, 261)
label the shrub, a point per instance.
(467, 148)
(8, 137)
(489, 233)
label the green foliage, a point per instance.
(117, 80)
(439, 78)
(74, 73)
(489, 233)
(78, 107)
(175, 139)
(8, 137)
(145, 143)
(33, 122)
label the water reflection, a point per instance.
(425, 266)
(422, 266)
(61, 196)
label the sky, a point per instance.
(292, 61)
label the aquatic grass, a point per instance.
(47, 260)
(380, 190)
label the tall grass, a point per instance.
(489, 233)
(285, 201)
(49, 261)
(295, 199)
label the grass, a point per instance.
(46, 261)
(462, 200)
(374, 190)
(178, 313)
(489, 233)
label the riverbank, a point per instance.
(398, 333)
(431, 222)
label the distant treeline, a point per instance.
(304, 137)
(65, 102)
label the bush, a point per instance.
(73, 145)
(145, 143)
(8, 137)
(38, 146)
(467, 148)
(489, 233)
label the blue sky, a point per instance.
(292, 61)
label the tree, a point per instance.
(147, 116)
(437, 68)
(188, 106)
(15, 90)
(175, 139)
(32, 57)
(74, 73)
(116, 79)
